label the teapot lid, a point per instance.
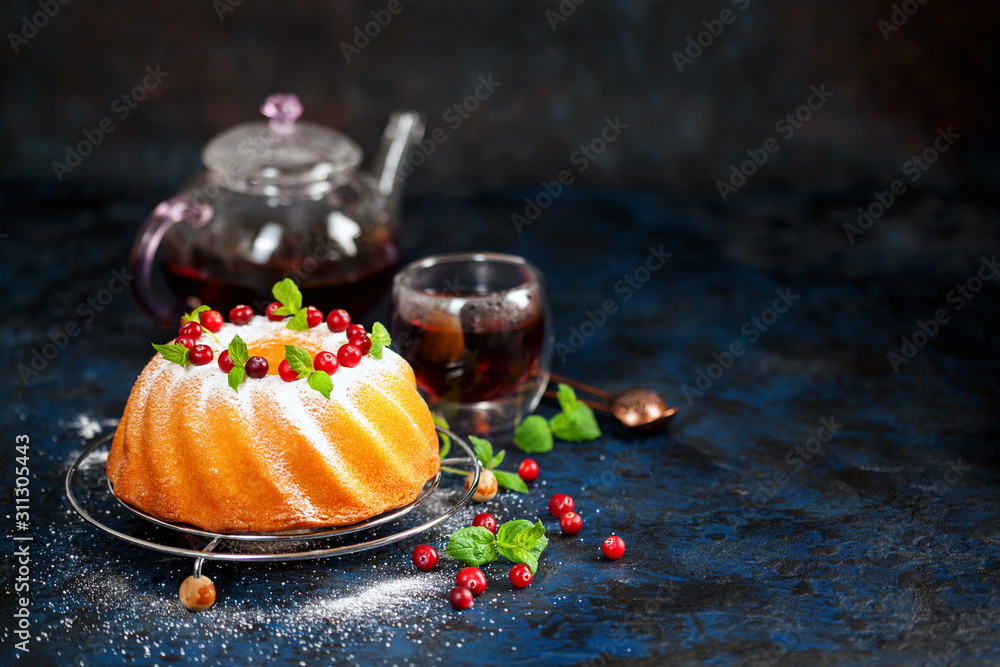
(282, 152)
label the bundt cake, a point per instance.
(239, 433)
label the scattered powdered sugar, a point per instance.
(139, 615)
(379, 599)
(86, 426)
(130, 598)
(325, 606)
(98, 459)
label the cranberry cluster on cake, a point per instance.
(295, 425)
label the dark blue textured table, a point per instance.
(817, 501)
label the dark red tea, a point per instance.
(462, 366)
(355, 293)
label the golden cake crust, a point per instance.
(275, 456)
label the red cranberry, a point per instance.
(241, 315)
(211, 320)
(472, 578)
(354, 330)
(338, 320)
(487, 521)
(314, 317)
(528, 470)
(520, 575)
(571, 523)
(326, 362)
(460, 597)
(190, 330)
(185, 341)
(425, 557)
(271, 307)
(613, 547)
(286, 372)
(201, 355)
(560, 504)
(349, 356)
(225, 363)
(256, 367)
(362, 342)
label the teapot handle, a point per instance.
(164, 216)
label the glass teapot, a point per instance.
(279, 199)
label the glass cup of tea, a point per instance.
(477, 330)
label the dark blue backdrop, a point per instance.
(809, 506)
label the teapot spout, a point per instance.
(405, 129)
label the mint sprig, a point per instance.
(473, 545)
(484, 452)
(518, 541)
(299, 321)
(288, 295)
(522, 542)
(238, 352)
(173, 352)
(321, 382)
(380, 339)
(236, 376)
(576, 423)
(534, 435)
(238, 355)
(193, 315)
(496, 460)
(299, 360)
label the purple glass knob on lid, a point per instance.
(283, 109)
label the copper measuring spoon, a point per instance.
(638, 409)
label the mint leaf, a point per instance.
(509, 480)
(299, 321)
(287, 292)
(522, 542)
(533, 435)
(236, 376)
(534, 541)
(484, 450)
(496, 460)
(381, 334)
(193, 315)
(321, 382)
(238, 353)
(578, 424)
(444, 437)
(380, 338)
(530, 537)
(299, 360)
(473, 545)
(178, 354)
(567, 397)
(508, 531)
(518, 554)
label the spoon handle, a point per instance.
(594, 404)
(559, 379)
